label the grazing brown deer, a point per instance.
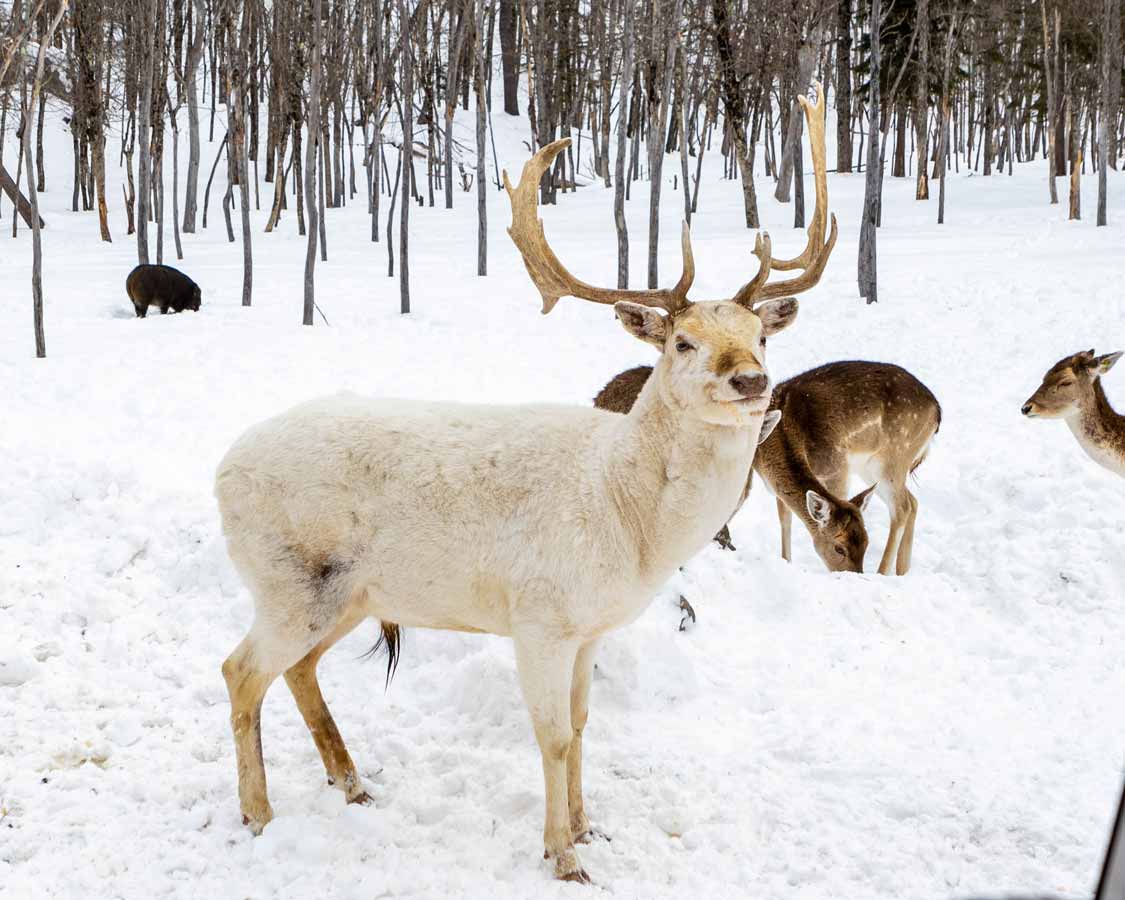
(870, 419)
(552, 525)
(1072, 390)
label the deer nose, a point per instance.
(1026, 408)
(750, 386)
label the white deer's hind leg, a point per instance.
(247, 682)
(579, 711)
(283, 632)
(546, 669)
(305, 688)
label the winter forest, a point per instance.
(912, 692)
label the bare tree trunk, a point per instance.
(619, 163)
(1075, 187)
(868, 273)
(176, 186)
(943, 152)
(922, 101)
(480, 71)
(408, 156)
(844, 86)
(144, 127)
(313, 120)
(36, 241)
(509, 58)
(279, 180)
(681, 75)
(19, 201)
(195, 54)
(1110, 88)
(238, 37)
(657, 130)
(1052, 100)
(391, 218)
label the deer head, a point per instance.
(1067, 383)
(839, 536)
(713, 354)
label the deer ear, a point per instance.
(819, 508)
(1104, 363)
(863, 498)
(769, 423)
(777, 314)
(643, 322)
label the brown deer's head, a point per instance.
(713, 354)
(1067, 383)
(839, 535)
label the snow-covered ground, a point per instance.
(955, 732)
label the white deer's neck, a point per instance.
(1099, 430)
(675, 480)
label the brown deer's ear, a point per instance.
(1103, 364)
(863, 498)
(643, 322)
(819, 508)
(777, 314)
(769, 423)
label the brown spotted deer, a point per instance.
(1072, 391)
(841, 420)
(549, 524)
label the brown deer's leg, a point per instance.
(899, 507)
(546, 670)
(579, 711)
(907, 546)
(305, 688)
(785, 517)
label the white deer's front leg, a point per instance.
(546, 667)
(579, 710)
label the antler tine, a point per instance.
(806, 279)
(549, 275)
(817, 250)
(763, 249)
(820, 210)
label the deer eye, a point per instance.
(683, 346)
(840, 551)
(1066, 383)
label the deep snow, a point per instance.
(958, 731)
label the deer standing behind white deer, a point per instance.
(550, 524)
(1072, 391)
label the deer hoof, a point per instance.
(567, 867)
(723, 539)
(592, 834)
(257, 821)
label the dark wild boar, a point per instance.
(163, 287)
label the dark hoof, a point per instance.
(362, 798)
(580, 877)
(723, 539)
(591, 835)
(689, 613)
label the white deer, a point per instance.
(550, 524)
